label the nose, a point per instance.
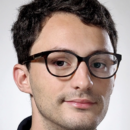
(82, 78)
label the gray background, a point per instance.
(15, 105)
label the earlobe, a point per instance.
(21, 78)
(114, 76)
(113, 83)
(114, 80)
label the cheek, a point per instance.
(43, 82)
(104, 87)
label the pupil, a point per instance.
(60, 63)
(97, 65)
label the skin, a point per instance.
(51, 96)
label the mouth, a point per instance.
(80, 103)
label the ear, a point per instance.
(21, 78)
(114, 80)
(114, 76)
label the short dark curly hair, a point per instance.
(32, 16)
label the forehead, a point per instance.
(65, 30)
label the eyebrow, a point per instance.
(64, 49)
(73, 51)
(99, 51)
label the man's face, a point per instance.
(79, 101)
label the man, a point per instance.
(67, 62)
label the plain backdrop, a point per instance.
(15, 105)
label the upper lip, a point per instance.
(80, 100)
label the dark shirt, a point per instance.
(25, 124)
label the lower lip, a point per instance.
(81, 105)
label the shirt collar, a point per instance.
(25, 124)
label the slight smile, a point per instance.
(81, 103)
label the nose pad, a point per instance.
(82, 78)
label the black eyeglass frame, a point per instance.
(80, 59)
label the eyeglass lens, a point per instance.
(61, 63)
(103, 65)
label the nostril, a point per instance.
(76, 87)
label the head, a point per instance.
(85, 27)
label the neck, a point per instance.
(36, 117)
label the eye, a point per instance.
(98, 65)
(60, 63)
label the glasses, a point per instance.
(63, 63)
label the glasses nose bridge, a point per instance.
(84, 59)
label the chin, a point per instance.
(80, 122)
